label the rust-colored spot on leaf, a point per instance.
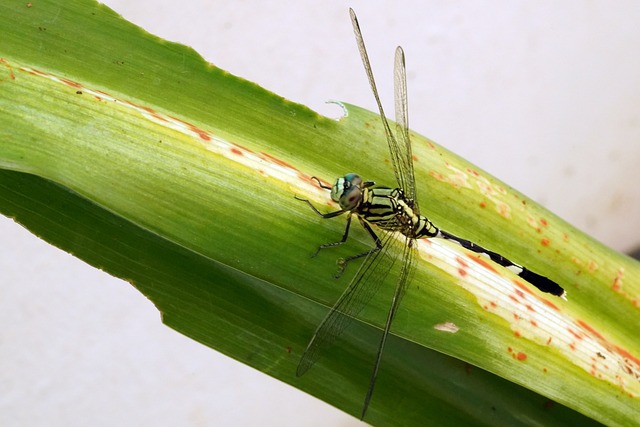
(576, 335)
(480, 260)
(437, 176)
(550, 304)
(522, 286)
(277, 161)
(617, 282)
(589, 328)
(4, 62)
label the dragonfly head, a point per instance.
(347, 191)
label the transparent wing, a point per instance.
(402, 161)
(405, 156)
(401, 287)
(363, 286)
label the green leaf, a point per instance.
(182, 183)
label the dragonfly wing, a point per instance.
(401, 287)
(363, 286)
(396, 150)
(405, 156)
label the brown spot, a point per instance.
(522, 286)
(544, 222)
(12, 76)
(624, 353)
(588, 327)
(473, 172)
(236, 151)
(277, 161)
(438, 176)
(480, 260)
(617, 282)
(202, 134)
(71, 83)
(575, 334)
(521, 356)
(545, 242)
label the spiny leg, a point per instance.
(342, 263)
(541, 282)
(325, 216)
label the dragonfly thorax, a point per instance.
(386, 207)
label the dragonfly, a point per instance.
(395, 212)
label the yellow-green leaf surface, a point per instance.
(140, 158)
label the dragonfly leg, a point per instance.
(344, 237)
(327, 215)
(342, 263)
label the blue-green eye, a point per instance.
(347, 192)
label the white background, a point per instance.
(544, 95)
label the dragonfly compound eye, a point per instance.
(347, 192)
(351, 198)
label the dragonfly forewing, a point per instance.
(404, 156)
